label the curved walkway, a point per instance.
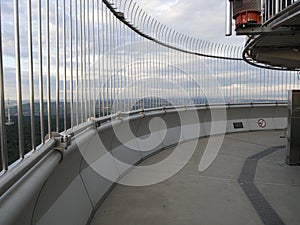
(248, 183)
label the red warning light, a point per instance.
(247, 13)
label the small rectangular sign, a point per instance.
(238, 125)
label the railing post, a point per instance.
(57, 65)
(41, 83)
(30, 72)
(48, 57)
(4, 155)
(18, 79)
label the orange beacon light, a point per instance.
(246, 13)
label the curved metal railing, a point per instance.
(63, 63)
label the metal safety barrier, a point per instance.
(65, 62)
(273, 7)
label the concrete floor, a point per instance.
(217, 195)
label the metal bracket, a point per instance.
(62, 142)
(96, 123)
(120, 15)
(120, 116)
(142, 112)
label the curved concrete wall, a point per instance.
(72, 190)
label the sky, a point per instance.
(198, 18)
(201, 19)
(188, 17)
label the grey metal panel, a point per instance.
(123, 132)
(18, 203)
(106, 137)
(56, 184)
(71, 207)
(192, 131)
(172, 119)
(96, 185)
(127, 152)
(150, 146)
(174, 135)
(237, 113)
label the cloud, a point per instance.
(198, 18)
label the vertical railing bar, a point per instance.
(282, 83)
(192, 72)
(18, 79)
(107, 34)
(57, 65)
(65, 64)
(77, 63)
(30, 73)
(197, 74)
(115, 60)
(178, 77)
(218, 80)
(94, 60)
(81, 62)
(181, 69)
(238, 79)
(133, 60)
(174, 74)
(227, 68)
(116, 69)
(120, 67)
(40, 46)
(103, 62)
(177, 73)
(263, 6)
(84, 63)
(125, 97)
(155, 69)
(276, 6)
(4, 153)
(99, 51)
(270, 9)
(110, 77)
(89, 60)
(48, 67)
(142, 62)
(71, 65)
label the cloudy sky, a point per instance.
(199, 18)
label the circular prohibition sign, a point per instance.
(261, 123)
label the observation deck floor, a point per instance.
(248, 183)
